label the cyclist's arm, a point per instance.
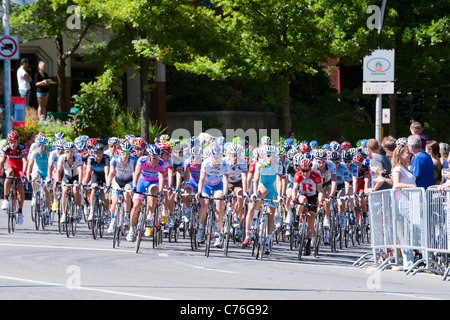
(106, 169)
(333, 184)
(88, 173)
(178, 177)
(161, 181)
(201, 181)
(225, 183)
(256, 179)
(319, 193)
(80, 171)
(110, 176)
(279, 182)
(24, 162)
(244, 182)
(170, 177)
(59, 170)
(29, 166)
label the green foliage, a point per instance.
(130, 123)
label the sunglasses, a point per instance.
(60, 149)
(41, 145)
(69, 151)
(321, 161)
(12, 142)
(125, 152)
(305, 171)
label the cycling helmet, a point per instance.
(193, 141)
(401, 142)
(59, 135)
(347, 155)
(246, 152)
(326, 146)
(265, 141)
(165, 148)
(125, 146)
(282, 151)
(41, 140)
(346, 145)
(113, 141)
(60, 143)
(13, 136)
(309, 156)
(313, 144)
(139, 143)
(305, 164)
(303, 148)
(233, 148)
(85, 137)
(69, 146)
(217, 151)
(321, 153)
(366, 162)
(207, 152)
(196, 151)
(358, 158)
(289, 141)
(333, 156)
(164, 138)
(269, 151)
(364, 143)
(91, 142)
(97, 147)
(153, 150)
(291, 153)
(49, 141)
(335, 147)
(80, 145)
(297, 159)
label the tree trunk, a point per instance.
(61, 74)
(145, 97)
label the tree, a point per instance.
(52, 19)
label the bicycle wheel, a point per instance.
(11, 215)
(262, 239)
(74, 217)
(95, 218)
(226, 232)
(209, 230)
(36, 208)
(101, 221)
(332, 229)
(317, 233)
(302, 237)
(68, 216)
(59, 212)
(118, 222)
(140, 226)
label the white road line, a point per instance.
(83, 288)
(62, 247)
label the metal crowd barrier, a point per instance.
(413, 223)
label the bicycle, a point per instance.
(70, 223)
(119, 218)
(173, 227)
(38, 209)
(13, 204)
(228, 230)
(261, 230)
(98, 219)
(303, 228)
(192, 224)
(210, 220)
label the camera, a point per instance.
(385, 174)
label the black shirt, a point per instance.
(38, 78)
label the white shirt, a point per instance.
(23, 84)
(214, 176)
(406, 176)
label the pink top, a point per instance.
(150, 173)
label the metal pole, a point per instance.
(378, 108)
(7, 71)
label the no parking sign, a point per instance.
(9, 47)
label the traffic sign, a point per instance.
(379, 66)
(9, 48)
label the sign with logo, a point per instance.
(379, 66)
(19, 111)
(24, 2)
(9, 47)
(386, 116)
(378, 88)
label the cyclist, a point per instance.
(113, 147)
(192, 167)
(267, 180)
(343, 179)
(363, 184)
(237, 182)
(37, 168)
(97, 165)
(168, 202)
(214, 175)
(307, 189)
(69, 170)
(121, 171)
(327, 171)
(149, 174)
(13, 162)
(52, 166)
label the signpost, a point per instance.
(378, 71)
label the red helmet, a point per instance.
(303, 148)
(165, 147)
(358, 158)
(345, 145)
(91, 142)
(139, 143)
(305, 164)
(13, 136)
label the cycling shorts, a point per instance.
(207, 188)
(17, 168)
(142, 185)
(193, 184)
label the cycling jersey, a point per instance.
(149, 173)
(123, 173)
(14, 158)
(237, 169)
(40, 162)
(308, 187)
(268, 176)
(363, 172)
(98, 169)
(70, 171)
(342, 174)
(53, 158)
(330, 169)
(214, 175)
(168, 165)
(194, 173)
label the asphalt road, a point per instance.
(48, 265)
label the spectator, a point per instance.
(291, 135)
(416, 128)
(422, 166)
(433, 150)
(379, 164)
(388, 145)
(42, 82)
(24, 80)
(444, 149)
